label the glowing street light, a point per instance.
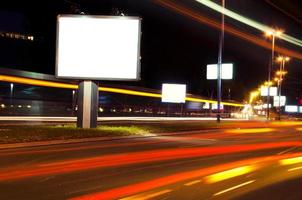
(282, 60)
(253, 95)
(271, 34)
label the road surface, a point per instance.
(258, 163)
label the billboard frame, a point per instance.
(138, 66)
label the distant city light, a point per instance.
(17, 36)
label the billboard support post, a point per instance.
(87, 105)
(221, 43)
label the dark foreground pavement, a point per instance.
(252, 163)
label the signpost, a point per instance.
(226, 71)
(96, 48)
(219, 71)
(279, 101)
(291, 108)
(272, 91)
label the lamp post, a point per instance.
(273, 34)
(219, 66)
(281, 73)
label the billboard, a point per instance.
(265, 105)
(282, 101)
(173, 93)
(264, 91)
(291, 109)
(300, 109)
(215, 106)
(206, 105)
(98, 47)
(226, 71)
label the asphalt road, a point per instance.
(259, 163)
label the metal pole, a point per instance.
(279, 90)
(11, 94)
(270, 67)
(280, 87)
(219, 66)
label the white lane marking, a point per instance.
(192, 183)
(233, 188)
(295, 168)
(145, 196)
(287, 150)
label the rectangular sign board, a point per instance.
(98, 47)
(291, 109)
(273, 91)
(265, 105)
(226, 71)
(215, 106)
(282, 101)
(206, 105)
(173, 93)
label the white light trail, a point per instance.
(249, 22)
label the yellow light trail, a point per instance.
(247, 21)
(221, 176)
(291, 161)
(129, 92)
(30, 81)
(252, 130)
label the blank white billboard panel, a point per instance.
(273, 91)
(226, 71)
(282, 101)
(215, 106)
(98, 47)
(291, 109)
(173, 93)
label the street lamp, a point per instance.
(271, 34)
(281, 73)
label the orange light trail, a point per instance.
(132, 158)
(29, 81)
(178, 177)
(215, 24)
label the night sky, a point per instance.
(174, 47)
